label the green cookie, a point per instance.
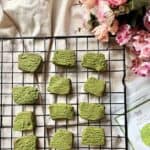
(29, 62)
(24, 121)
(61, 111)
(62, 140)
(145, 134)
(59, 85)
(91, 111)
(93, 136)
(95, 86)
(25, 95)
(26, 143)
(94, 61)
(64, 58)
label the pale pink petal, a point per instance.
(101, 33)
(140, 43)
(145, 54)
(124, 34)
(105, 13)
(143, 69)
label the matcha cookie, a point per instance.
(61, 111)
(62, 140)
(94, 61)
(24, 121)
(95, 86)
(26, 143)
(145, 134)
(25, 95)
(29, 62)
(64, 58)
(91, 111)
(93, 136)
(59, 85)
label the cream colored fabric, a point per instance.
(25, 18)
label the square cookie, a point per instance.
(25, 95)
(62, 140)
(145, 134)
(59, 85)
(61, 111)
(93, 136)
(65, 58)
(95, 86)
(94, 61)
(91, 111)
(26, 143)
(24, 121)
(29, 62)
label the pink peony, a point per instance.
(141, 68)
(101, 32)
(115, 3)
(124, 34)
(145, 54)
(147, 20)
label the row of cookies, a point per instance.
(25, 121)
(57, 85)
(63, 139)
(31, 62)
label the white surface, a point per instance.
(138, 117)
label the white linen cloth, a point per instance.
(55, 17)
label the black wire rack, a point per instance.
(114, 98)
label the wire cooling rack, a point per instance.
(114, 98)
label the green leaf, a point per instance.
(137, 4)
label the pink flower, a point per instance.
(104, 13)
(124, 34)
(115, 3)
(101, 33)
(141, 68)
(147, 20)
(89, 3)
(145, 54)
(141, 45)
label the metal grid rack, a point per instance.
(113, 99)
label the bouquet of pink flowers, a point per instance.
(128, 21)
